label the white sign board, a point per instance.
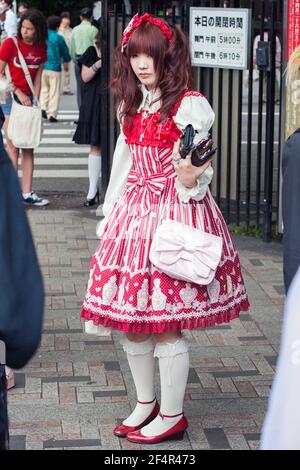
(220, 37)
(97, 11)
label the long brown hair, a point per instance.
(172, 63)
(39, 22)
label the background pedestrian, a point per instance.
(11, 21)
(83, 36)
(22, 8)
(57, 54)
(66, 31)
(32, 35)
(89, 126)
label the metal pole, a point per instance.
(271, 77)
(282, 114)
(260, 125)
(105, 96)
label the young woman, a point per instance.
(57, 55)
(149, 180)
(88, 129)
(32, 35)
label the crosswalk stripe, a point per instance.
(67, 117)
(47, 131)
(57, 140)
(58, 173)
(60, 161)
(59, 150)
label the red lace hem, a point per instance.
(163, 327)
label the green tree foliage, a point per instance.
(55, 7)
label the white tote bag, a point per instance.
(25, 123)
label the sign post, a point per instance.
(220, 37)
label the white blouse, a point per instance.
(193, 110)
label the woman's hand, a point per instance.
(186, 172)
(24, 99)
(98, 64)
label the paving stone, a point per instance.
(216, 438)
(72, 443)
(17, 442)
(78, 387)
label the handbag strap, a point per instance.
(25, 69)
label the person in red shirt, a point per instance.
(31, 37)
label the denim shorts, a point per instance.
(6, 108)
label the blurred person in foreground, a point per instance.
(83, 36)
(21, 285)
(88, 130)
(291, 181)
(57, 54)
(66, 31)
(281, 430)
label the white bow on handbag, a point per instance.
(186, 253)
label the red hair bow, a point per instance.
(146, 18)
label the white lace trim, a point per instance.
(198, 312)
(137, 349)
(171, 349)
(198, 191)
(97, 330)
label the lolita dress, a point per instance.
(125, 291)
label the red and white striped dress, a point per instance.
(125, 291)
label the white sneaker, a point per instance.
(35, 200)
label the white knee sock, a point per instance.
(94, 174)
(174, 370)
(142, 366)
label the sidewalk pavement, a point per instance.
(78, 387)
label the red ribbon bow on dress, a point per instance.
(152, 186)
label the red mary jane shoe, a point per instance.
(174, 434)
(122, 430)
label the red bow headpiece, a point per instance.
(146, 18)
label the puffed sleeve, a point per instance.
(121, 167)
(197, 111)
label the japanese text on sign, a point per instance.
(220, 37)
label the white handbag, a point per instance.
(186, 253)
(25, 125)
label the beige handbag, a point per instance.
(25, 123)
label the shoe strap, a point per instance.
(146, 402)
(170, 416)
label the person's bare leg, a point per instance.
(27, 167)
(12, 151)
